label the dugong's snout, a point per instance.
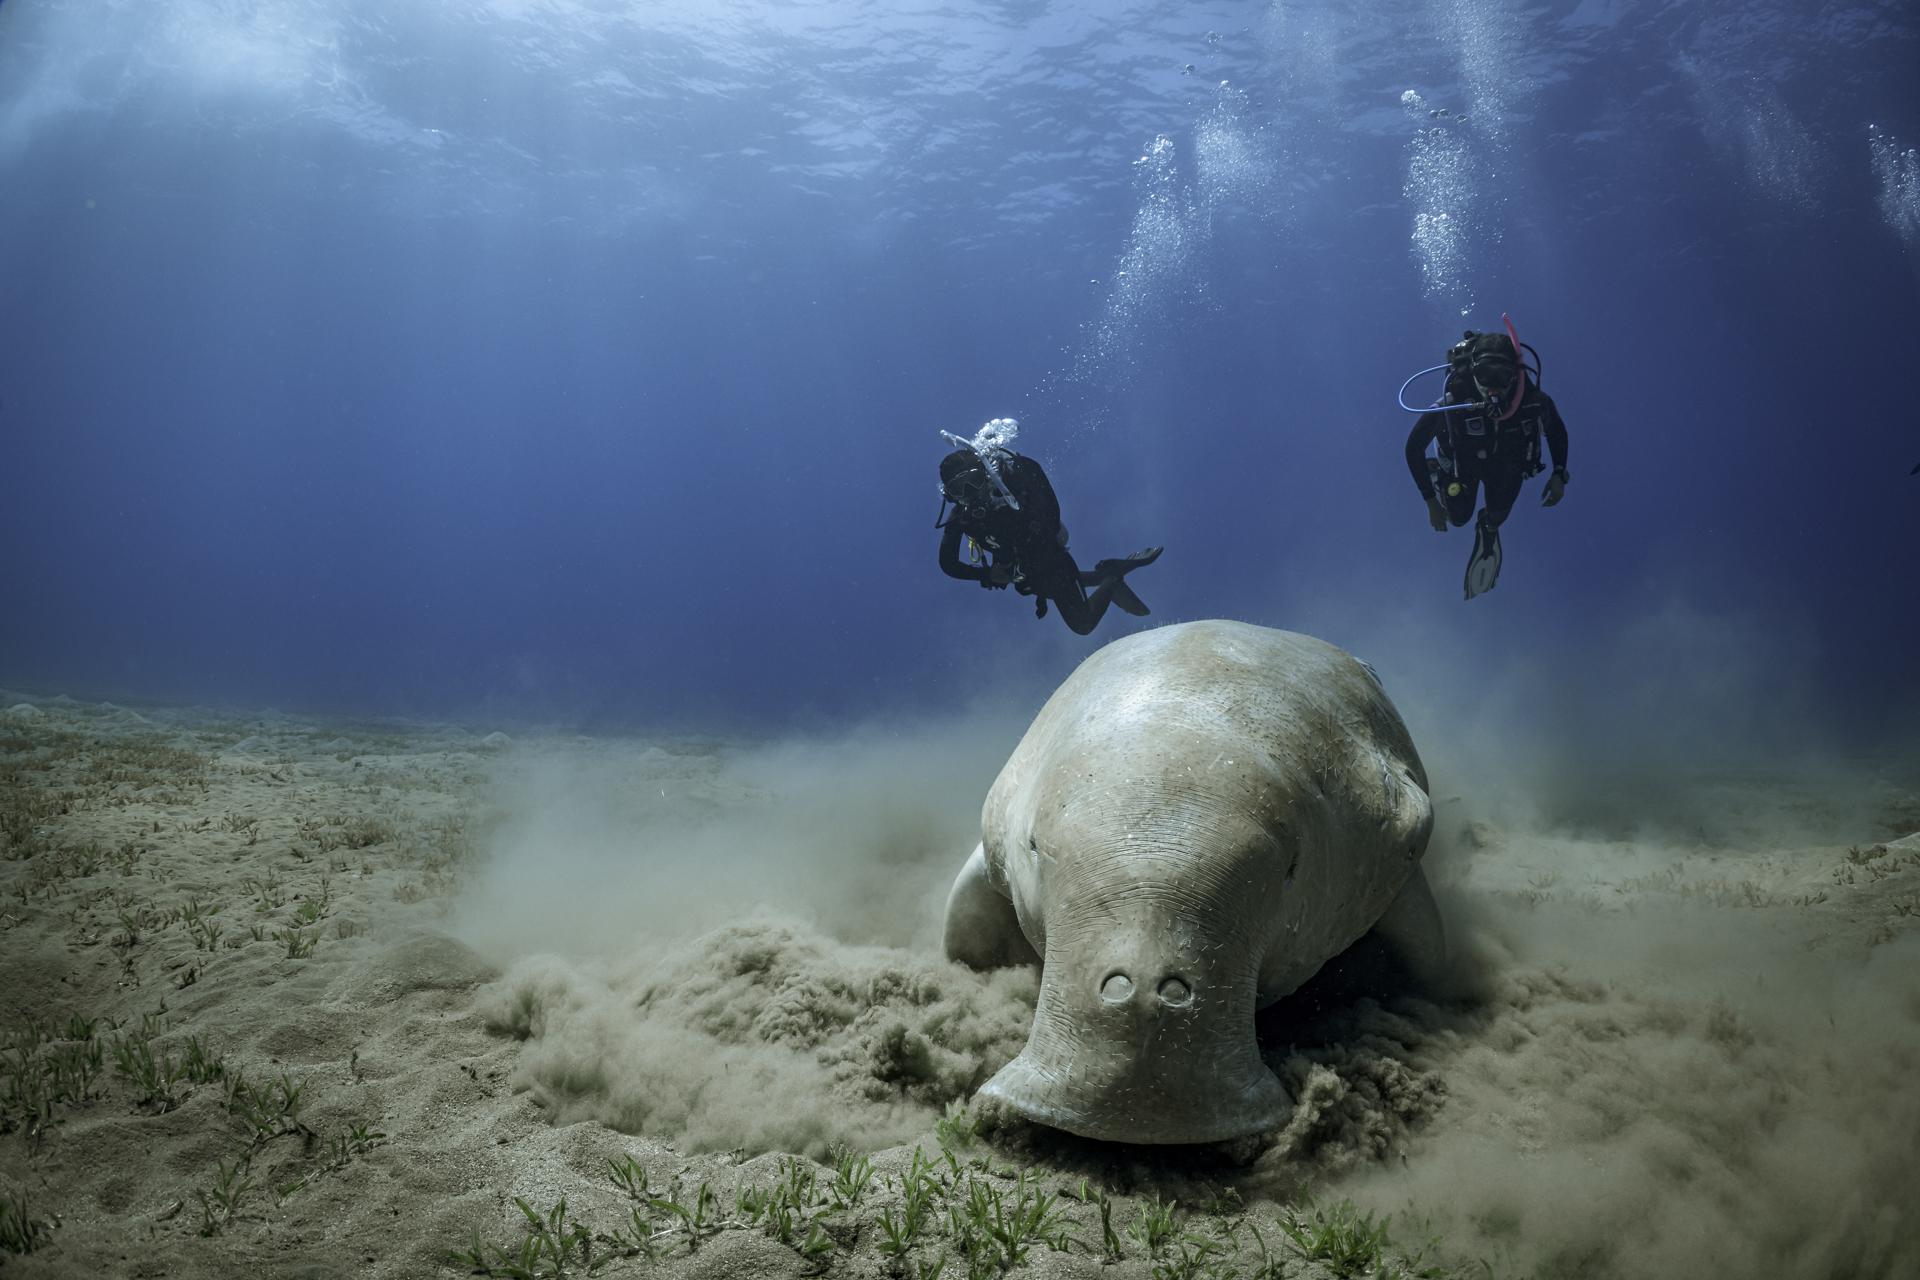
(1143, 1047)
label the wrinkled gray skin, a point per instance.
(1198, 819)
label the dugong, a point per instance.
(1196, 821)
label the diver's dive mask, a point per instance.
(1495, 378)
(971, 490)
(1490, 360)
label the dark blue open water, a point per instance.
(585, 359)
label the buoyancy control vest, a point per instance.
(1480, 441)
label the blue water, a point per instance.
(586, 360)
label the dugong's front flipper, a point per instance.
(982, 928)
(1412, 928)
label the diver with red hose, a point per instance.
(1489, 426)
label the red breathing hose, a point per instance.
(1520, 386)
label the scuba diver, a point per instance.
(1488, 426)
(1004, 507)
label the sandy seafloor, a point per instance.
(1687, 1047)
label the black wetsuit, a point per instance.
(1478, 448)
(1028, 542)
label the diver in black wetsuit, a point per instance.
(1497, 442)
(1004, 507)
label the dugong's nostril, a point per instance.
(1117, 989)
(1174, 991)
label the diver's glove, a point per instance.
(1437, 513)
(1556, 487)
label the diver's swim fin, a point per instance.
(1127, 602)
(1126, 565)
(1483, 568)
